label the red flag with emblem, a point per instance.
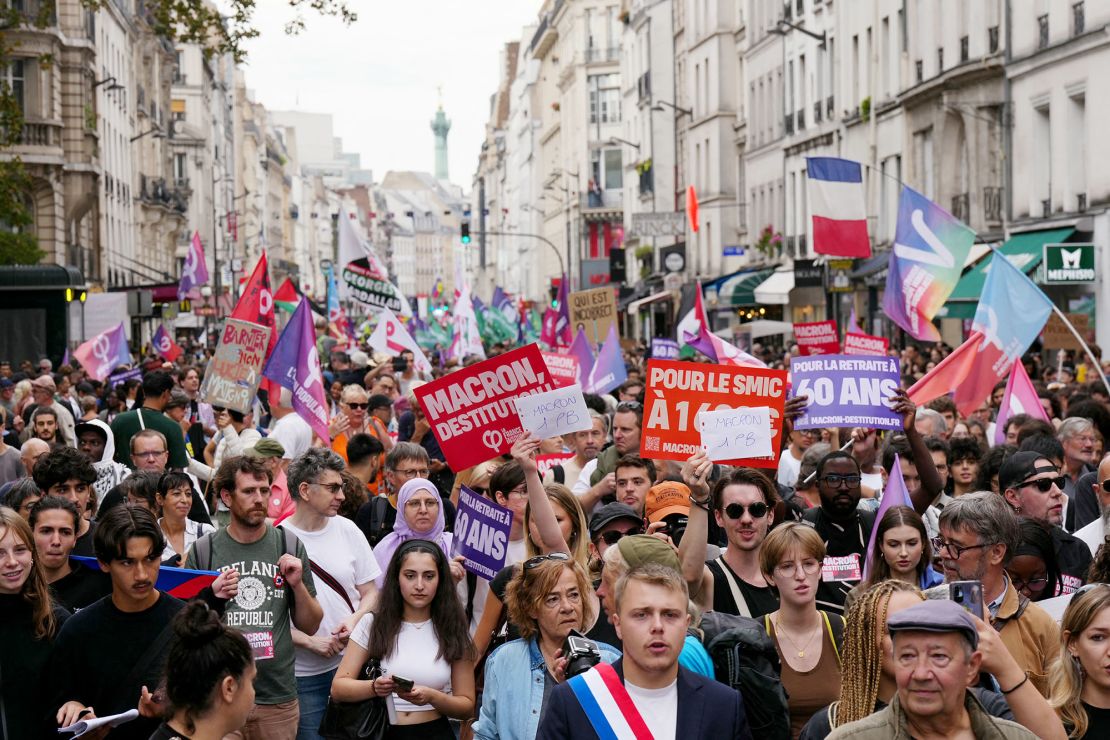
(256, 305)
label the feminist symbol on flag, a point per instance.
(312, 360)
(164, 343)
(189, 270)
(265, 302)
(101, 347)
(390, 330)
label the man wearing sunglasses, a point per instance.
(1034, 488)
(1094, 534)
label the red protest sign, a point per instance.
(678, 391)
(563, 368)
(817, 338)
(545, 463)
(471, 411)
(864, 344)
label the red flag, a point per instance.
(692, 208)
(952, 374)
(257, 306)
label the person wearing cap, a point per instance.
(667, 509)
(936, 657)
(1033, 487)
(7, 392)
(279, 504)
(10, 465)
(94, 438)
(979, 534)
(42, 396)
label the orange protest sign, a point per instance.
(677, 392)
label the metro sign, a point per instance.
(1069, 263)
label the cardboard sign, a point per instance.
(1057, 336)
(563, 368)
(664, 349)
(481, 534)
(554, 413)
(235, 370)
(593, 311)
(856, 343)
(817, 338)
(735, 434)
(471, 410)
(545, 463)
(846, 391)
(678, 392)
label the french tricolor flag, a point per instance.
(836, 200)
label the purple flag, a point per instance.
(609, 370)
(562, 324)
(294, 364)
(195, 270)
(895, 494)
(104, 353)
(581, 350)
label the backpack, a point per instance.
(744, 657)
(382, 516)
(203, 547)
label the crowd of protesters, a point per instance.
(339, 585)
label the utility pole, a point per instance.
(482, 224)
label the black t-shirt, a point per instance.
(84, 545)
(95, 655)
(24, 659)
(1074, 558)
(760, 599)
(165, 732)
(842, 540)
(81, 588)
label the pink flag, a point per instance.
(1020, 398)
(894, 494)
(104, 353)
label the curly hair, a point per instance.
(62, 464)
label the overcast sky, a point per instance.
(378, 77)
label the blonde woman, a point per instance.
(1081, 675)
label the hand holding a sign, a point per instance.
(695, 474)
(901, 404)
(524, 452)
(791, 411)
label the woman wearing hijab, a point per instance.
(419, 516)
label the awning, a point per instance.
(1024, 250)
(765, 328)
(740, 290)
(635, 306)
(870, 265)
(775, 290)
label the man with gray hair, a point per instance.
(344, 567)
(931, 423)
(979, 534)
(1077, 435)
(407, 460)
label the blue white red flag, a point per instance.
(182, 583)
(836, 202)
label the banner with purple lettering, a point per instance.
(481, 534)
(846, 391)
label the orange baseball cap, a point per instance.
(666, 498)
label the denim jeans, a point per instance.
(313, 692)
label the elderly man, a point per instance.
(1094, 534)
(1077, 435)
(936, 657)
(978, 535)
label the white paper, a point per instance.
(556, 412)
(735, 434)
(80, 727)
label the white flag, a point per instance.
(467, 339)
(392, 338)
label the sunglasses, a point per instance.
(630, 406)
(1044, 485)
(357, 405)
(614, 536)
(841, 481)
(533, 563)
(219, 409)
(758, 510)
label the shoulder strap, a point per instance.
(203, 548)
(471, 590)
(332, 583)
(734, 587)
(1023, 604)
(835, 628)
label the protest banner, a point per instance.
(471, 410)
(735, 434)
(562, 368)
(132, 374)
(481, 534)
(1057, 336)
(817, 338)
(545, 463)
(677, 392)
(235, 370)
(857, 343)
(555, 412)
(664, 349)
(846, 391)
(593, 311)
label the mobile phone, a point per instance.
(402, 684)
(969, 595)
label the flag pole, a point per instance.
(1063, 317)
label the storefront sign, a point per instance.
(670, 223)
(839, 280)
(808, 274)
(1069, 263)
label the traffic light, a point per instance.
(464, 232)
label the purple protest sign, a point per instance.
(664, 349)
(846, 391)
(481, 534)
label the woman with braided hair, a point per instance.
(867, 670)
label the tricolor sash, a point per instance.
(607, 705)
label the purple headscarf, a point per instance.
(383, 553)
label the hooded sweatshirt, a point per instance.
(109, 473)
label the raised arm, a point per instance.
(551, 537)
(931, 485)
(692, 551)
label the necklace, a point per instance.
(801, 650)
(420, 625)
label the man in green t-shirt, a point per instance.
(156, 394)
(274, 587)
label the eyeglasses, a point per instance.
(414, 473)
(425, 503)
(533, 563)
(149, 455)
(758, 510)
(331, 488)
(809, 567)
(841, 481)
(1044, 485)
(1033, 584)
(519, 492)
(613, 536)
(954, 550)
(357, 405)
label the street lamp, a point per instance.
(658, 107)
(618, 140)
(778, 29)
(156, 130)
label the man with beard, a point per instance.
(586, 445)
(597, 483)
(634, 478)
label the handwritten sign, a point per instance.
(735, 434)
(554, 413)
(817, 338)
(593, 311)
(563, 368)
(678, 392)
(471, 410)
(856, 343)
(481, 534)
(664, 349)
(235, 370)
(846, 391)
(1058, 336)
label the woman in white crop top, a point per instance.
(419, 633)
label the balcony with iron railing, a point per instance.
(602, 200)
(155, 191)
(602, 54)
(961, 207)
(992, 204)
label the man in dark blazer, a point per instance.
(672, 702)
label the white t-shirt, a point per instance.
(789, 468)
(414, 656)
(658, 707)
(583, 483)
(294, 433)
(341, 549)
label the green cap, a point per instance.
(640, 549)
(267, 447)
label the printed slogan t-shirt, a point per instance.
(261, 610)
